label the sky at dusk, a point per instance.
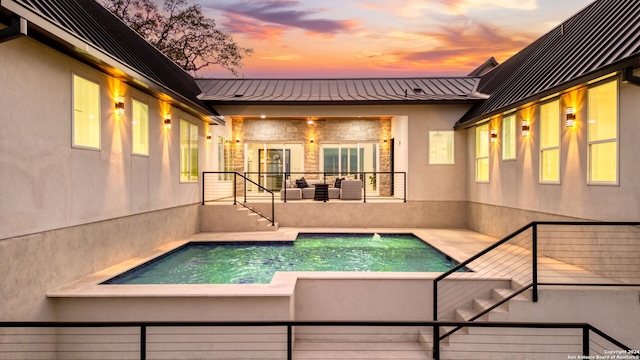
(380, 38)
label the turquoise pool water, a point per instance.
(257, 262)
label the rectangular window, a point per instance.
(441, 147)
(224, 158)
(509, 137)
(86, 113)
(482, 153)
(603, 133)
(188, 151)
(140, 127)
(550, 142)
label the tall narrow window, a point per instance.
(224, 158)
(140, 127)
(482, 153)
(603, 133)
(441, 147)
(550, 142)
(86, 113)
(509, 137)
(188, 151)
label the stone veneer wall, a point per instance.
(330, 130)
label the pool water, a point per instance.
(257, 262)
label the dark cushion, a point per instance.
(338, 182)
(302, 183)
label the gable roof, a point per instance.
(484, 68)
(88, 32)
(343, 91)
(602, 38)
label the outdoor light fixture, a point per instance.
(209, 137)
(525, 127)
(311, 141)
(571, 117)
(385, 140)
(494, 135)
(167, 122)
(263, 116)
(120, 106)
(237, 140)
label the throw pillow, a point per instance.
(302, 183)
(338, 182)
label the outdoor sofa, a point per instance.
(349, 189)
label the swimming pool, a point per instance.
(257, 262)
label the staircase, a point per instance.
(500, 343)
(236, 218)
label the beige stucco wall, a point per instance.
(47, 184)
(36, 264)
(514, 184)
(409, 126)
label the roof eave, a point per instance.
(214, 103)
(615, 67)
(57, 38)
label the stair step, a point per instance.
(363, 350)
(501, 294)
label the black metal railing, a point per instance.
(375, 185)
(276, 339)
(587, 253)
(236, 188)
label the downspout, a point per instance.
(629, 78)
(17, 29)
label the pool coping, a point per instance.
(282, 284)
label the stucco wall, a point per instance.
(514, 184)
(411, 123)
(33, 265)
(47, 184)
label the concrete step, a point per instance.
(358, 350)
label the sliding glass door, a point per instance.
(344, 159)
(266, 163)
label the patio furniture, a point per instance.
(292, 194)
(322, 192)
(351, 190)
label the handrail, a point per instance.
(234, 190)
(435, 325)
(534, 262)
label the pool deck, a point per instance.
(459, 244)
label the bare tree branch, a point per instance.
(181, 32)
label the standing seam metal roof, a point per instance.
(339, 90)
(600, 36)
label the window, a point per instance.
(550, 142)
(86, 113)
(482, 153)
(441, 147)
(140, 127)
(188, 151)
(603, 133)
(224, 158)
(509, 137)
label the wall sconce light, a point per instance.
(571, 117)
(263, 116)
(525, 127)
(209, 138)
(237, 140)
(309, 121)
(167, 122)
(494, 135)
(311, 141)
(385, 140)
(120, 106)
